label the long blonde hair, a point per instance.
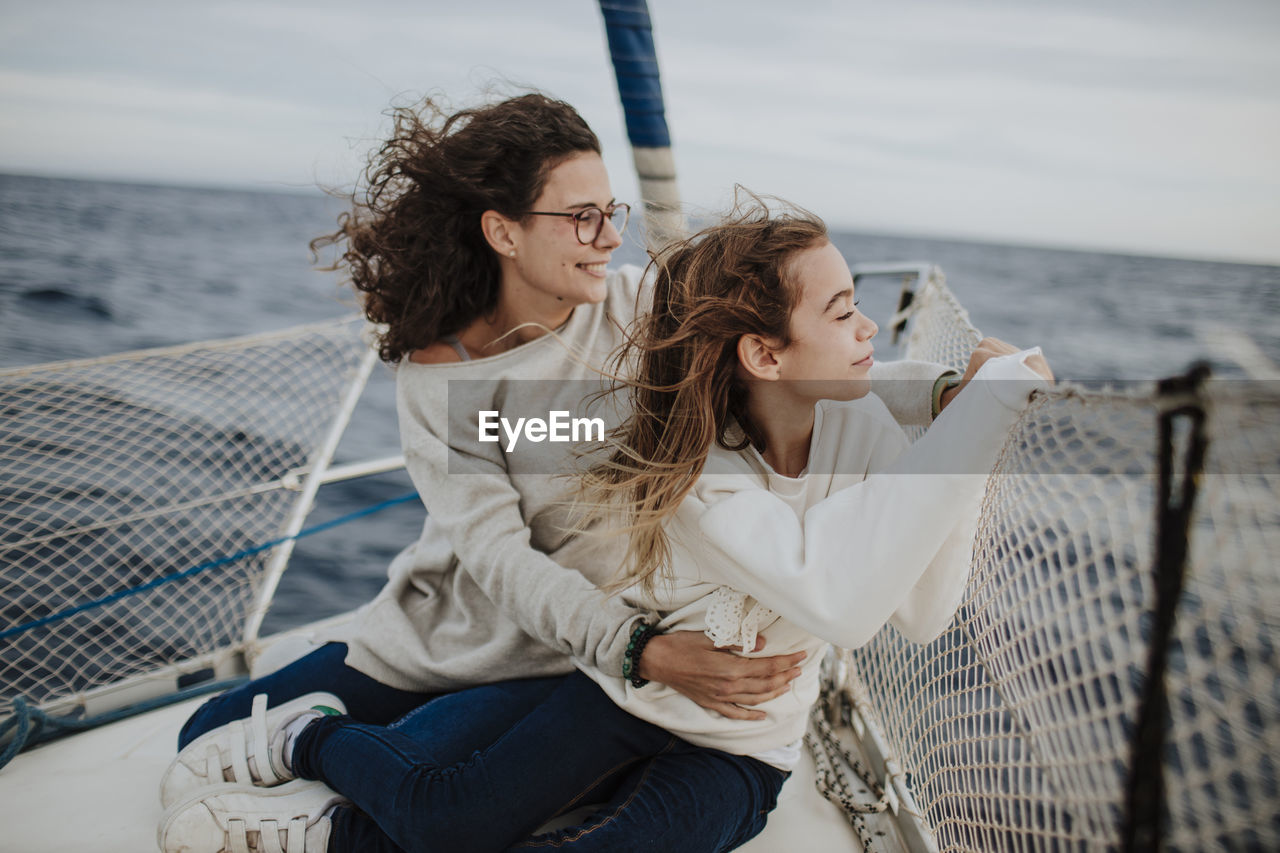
(726, 281)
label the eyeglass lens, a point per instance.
(590, 222)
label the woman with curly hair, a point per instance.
(481, 246)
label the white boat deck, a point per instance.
(98, 790)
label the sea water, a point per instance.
(89, 268)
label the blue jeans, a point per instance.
(367, 699)
(480, 769)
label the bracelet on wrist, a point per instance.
(640, 637)
(942, 385)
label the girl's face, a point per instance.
(551, 268)
(830, 353)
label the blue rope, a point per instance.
(31, 722)
(203, 567)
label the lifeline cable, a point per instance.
(204, 567)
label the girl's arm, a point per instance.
(860, 553)
(931, 604)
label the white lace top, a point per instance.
(735, 618)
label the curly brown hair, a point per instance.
(728, 280)
(413, 241)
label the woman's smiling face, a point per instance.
(549, 260)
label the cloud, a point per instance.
(1077, 123)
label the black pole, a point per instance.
(1145, 794)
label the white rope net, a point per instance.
(1015, 728)
(128, 486)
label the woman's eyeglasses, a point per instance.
(589, 222)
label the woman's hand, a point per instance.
(718, 679)
(989, 348)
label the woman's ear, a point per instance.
(501, 233)
(758, 358)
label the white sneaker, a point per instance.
(248, 751)
(233, 818)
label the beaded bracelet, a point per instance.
(640, 637)
(942, 385)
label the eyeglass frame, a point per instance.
(577, 219)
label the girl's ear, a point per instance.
(758, 358)
(501, 233)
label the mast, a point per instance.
(635, 64)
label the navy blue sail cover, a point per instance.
(635, 63)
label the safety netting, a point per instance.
(1111, 679)
(137, 492)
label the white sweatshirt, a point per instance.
(873, 531)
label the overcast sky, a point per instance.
(1146, 127)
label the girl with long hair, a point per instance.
(762, 486)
